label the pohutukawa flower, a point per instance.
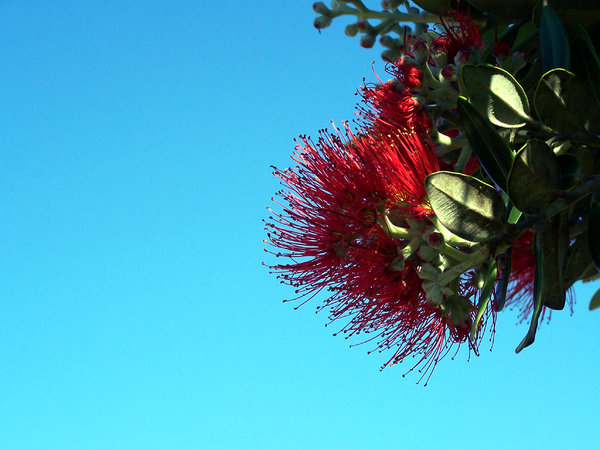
(460, 34)
(352, 220)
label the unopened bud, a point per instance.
(421, 51)
(322, 22)
(351, 30)
(462, 57)
(436, 239)
(390, 55)
(363, 26)
(428, 272)
(439, 55)
(391, 4)
(388, 41)
(367, 40)
(433, 292)
(449, 72)
(427, 253)
(320, 8)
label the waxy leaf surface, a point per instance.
(496, 95)
(468, 207)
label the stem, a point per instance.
(391, 229)
(474, 260)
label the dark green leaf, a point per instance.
(489, 273)
(553, 39)
(590, 61)
(563, 102)
(493, 152)
(594, 232)
(526, 32)
(505, 264)
(572, 12)
(578, 261)
(434, 6)
(469, 208)
(570, 170)
(595, 302)
(537, 293)
(554, 249)
(496, 95)
(534, 177)
(505, 8)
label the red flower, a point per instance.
(460, 35)
(502, 50)
(390, 107)
(330, 233)
(339, 207)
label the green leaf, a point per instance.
(553, 39)
(534, 177)
(594, 232)
(578, 261)
(505, 8)
(514, 215)
(537, 293)
(493, 152)
(468, 207)
(490, 271)
(554, 248)
(434, 6)
(570, 170)
(497, 95)
(590, 61)
(563, 102)
(505, 264)
(595, 302)
(572, 12)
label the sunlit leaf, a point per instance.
(468, 207)
(496, 95)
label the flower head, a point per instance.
(460, 36)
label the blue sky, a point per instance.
(134, 310)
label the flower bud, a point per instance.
(428, 272)
(449, 72)
(351, 30)
(367, 40)
(322, 22)
(320, 8)
(391, 4)
(436, 240)
(388, 41)
(390, 55)
(364, 26)
(421, 51)
(433, 292)
(427, 253)
(439, 55)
